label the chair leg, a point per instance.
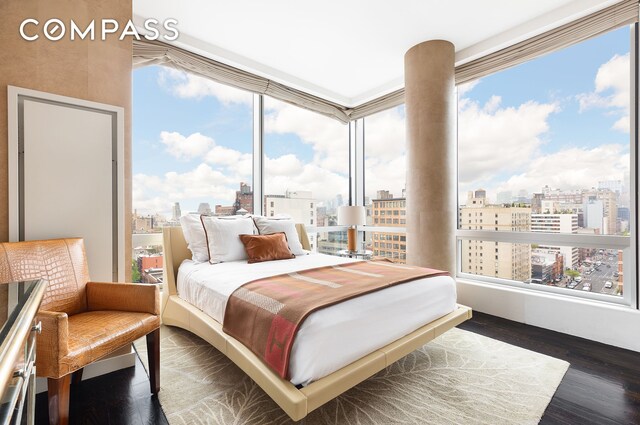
(153, 353)
(77, 376)
(58, 390)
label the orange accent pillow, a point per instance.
(266, 247)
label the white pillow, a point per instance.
(194, 235)
(267, 226)
(224, 238)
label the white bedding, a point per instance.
(336, 336)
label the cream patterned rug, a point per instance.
(459, 378)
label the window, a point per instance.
(306, 168)
(192, 152)
(384, 172)
(561, 125)
(560, 186)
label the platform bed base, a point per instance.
(298, 403)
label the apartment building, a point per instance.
(299, 205)
(389, 212)
(558, 223)
(488, 258)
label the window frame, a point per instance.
(357, 184)
(628, 244)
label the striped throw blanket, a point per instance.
(265, 314)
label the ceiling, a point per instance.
(351, 51)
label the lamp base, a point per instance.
(351, 239)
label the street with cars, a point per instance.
(598, 274)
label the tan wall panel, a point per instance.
(98, 71)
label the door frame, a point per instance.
(15, 98)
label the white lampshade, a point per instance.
(351, 216)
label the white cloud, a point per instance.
(240, 164)
(222, 168)
(492, 139)
(323, 183)
(385, 152)
(570, 169)
(615, 75)
(385, 136)
(465, 88)
(385, 174)
(328, 138)
(202, 184)
(286, 166)
(612, 91)
(325, 175)
(190, 86)
(623, 124)
(215, 179)
(205, 184)
(495, 142)
(198, 146)
(181, 147)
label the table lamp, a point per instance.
(351, 216)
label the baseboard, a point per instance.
(594, 320)
(121, 359)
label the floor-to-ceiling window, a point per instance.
(546, 167)
(544, 150)
(192, 152)
(384, 183)
(306, 170)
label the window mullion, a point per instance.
(565, 239)
(258, 153)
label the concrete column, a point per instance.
(431, 155)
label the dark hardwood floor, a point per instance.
(602, 386)
(119, 398)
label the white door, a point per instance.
(69, 181)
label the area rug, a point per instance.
(458, 378)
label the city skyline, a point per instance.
(584, 269)
(585, 211)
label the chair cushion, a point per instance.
(95, 334)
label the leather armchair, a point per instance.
(82, 321)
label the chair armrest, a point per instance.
(53, 340)
(133, 297)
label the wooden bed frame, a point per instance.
(297, 403)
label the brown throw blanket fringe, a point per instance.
(265, 314)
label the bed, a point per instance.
(193, 298)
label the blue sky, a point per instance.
(559, 76)
(566, 113)
(157, 109)
(555, 120)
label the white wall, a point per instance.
(598, 321)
